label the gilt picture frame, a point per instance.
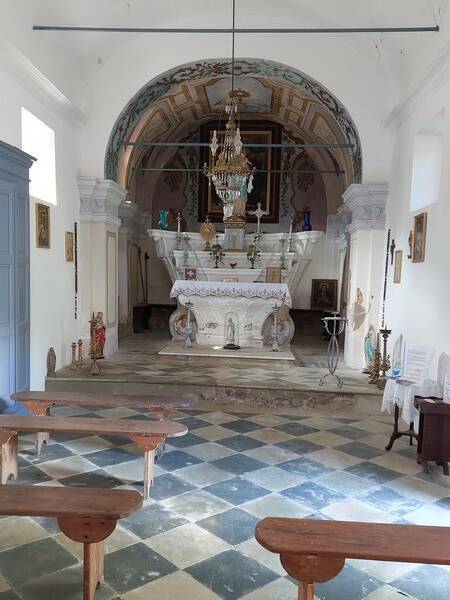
(419, 238)
(273, 274)
(42, 226)
(324, 294)
(68, 246)
(398, 260)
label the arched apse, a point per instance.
(311, 111)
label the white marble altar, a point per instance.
(231, 312)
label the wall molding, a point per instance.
(432, 79)
(20, 68)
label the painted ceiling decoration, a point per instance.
(161, 109)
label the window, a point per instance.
(39, 140)
(427, 163)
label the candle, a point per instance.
(290, 228)
(179, 222)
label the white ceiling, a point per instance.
(402, 56)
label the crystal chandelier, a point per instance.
(229, 170)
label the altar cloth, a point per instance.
(266, 291)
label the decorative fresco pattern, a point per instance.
(197, 71)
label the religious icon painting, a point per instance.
(42, 226)
(324, 294)
(273, 274)
(190, 274)
(68, 246)
(419, 237)
(398, 259)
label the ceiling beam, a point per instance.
(206, 144)
(302, 171)
(215, 30)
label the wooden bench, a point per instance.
(148, 435)
(87, 516)
(161, 406)
(315, 551)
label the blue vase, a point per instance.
(163, 216)
(307, 221)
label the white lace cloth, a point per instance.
(402, 395)
(267, 291)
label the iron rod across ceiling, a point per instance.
(301, 171)
(205, 144)
(264, 30)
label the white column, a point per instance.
(133, 232)
(366, 203)
(98, 256)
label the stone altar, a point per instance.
(231, 312)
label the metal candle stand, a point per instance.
(275, 346)
(188, 339)
(338, 326)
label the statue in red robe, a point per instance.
(98, 335)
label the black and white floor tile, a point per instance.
(195, 537)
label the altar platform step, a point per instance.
(174, 348)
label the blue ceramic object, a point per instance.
(163, 216)
(307, 220)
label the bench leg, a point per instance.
(149, 471)
(306, 591)
(93, 569)
(40, 439)
(9, 455)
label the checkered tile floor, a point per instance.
(195, 538)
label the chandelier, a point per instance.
(230, 170)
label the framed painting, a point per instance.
(42, 226)
(419, 237)
(398, 259)
(266, 160)
(68, 246)
(324, 294)
(190, 273)
(273, 274)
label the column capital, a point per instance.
(133, 219)
(367, 204)
(100, 200)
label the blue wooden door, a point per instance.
(7, 295)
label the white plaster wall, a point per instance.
(52, 279)
(418, 307)
(348, 72)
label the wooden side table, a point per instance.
(434, 432)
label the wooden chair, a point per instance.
(148, 435)
(87, 516)
(315, 551)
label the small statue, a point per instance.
(207, 231)
(98, 336)
(51, 363)
(369, 349)
(231, 335)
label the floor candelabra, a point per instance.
(334, 326)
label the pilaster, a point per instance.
(366, 204)
(98, 255)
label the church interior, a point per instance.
(224, 258)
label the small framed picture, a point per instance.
(190, 273)
(398, 259)
(68, 246)
(324, 294)
(42, 226)
(273, 274)
(419, 238)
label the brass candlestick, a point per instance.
(80, 361)
(73, 364)
(385, 363)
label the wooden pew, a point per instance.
(148, 435)
(315, 551)
(161, 406)
(87, 516)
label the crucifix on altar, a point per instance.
(259, 213)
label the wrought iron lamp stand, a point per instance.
(334, 326)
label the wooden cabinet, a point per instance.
(434, 432)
